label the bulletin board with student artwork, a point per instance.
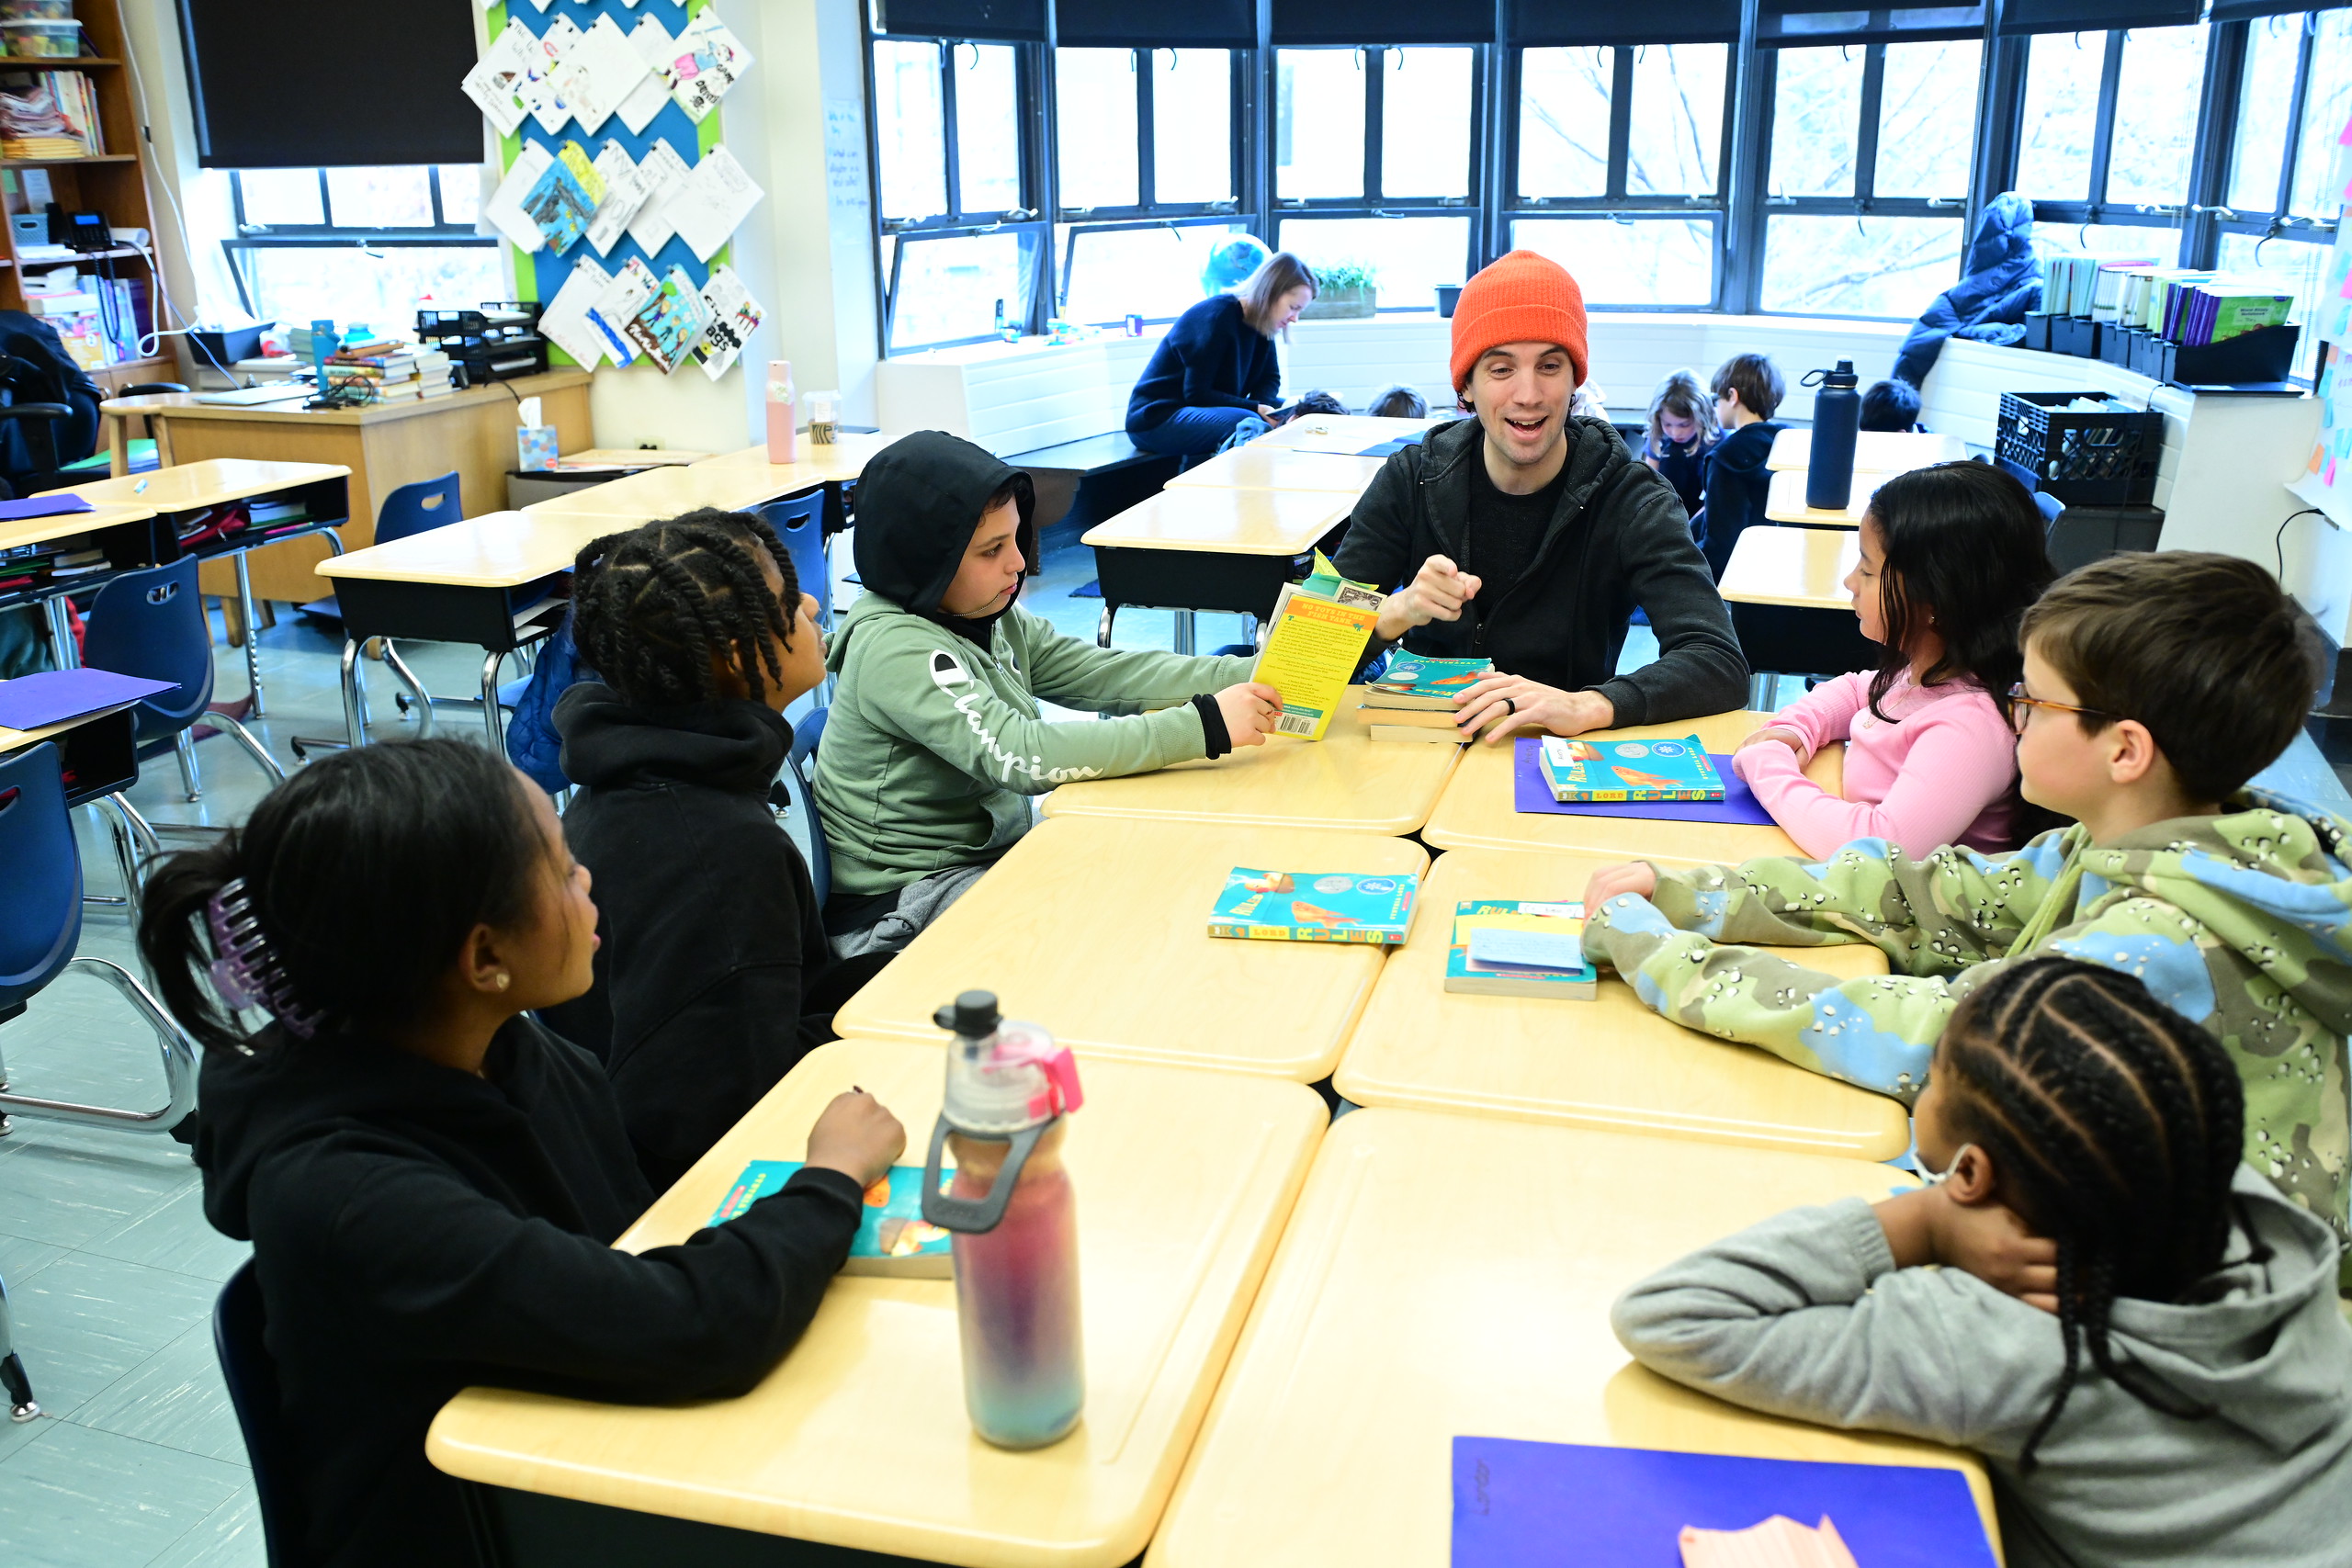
(618, 194)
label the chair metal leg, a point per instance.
(179, 1067)
(1182, 639)
(184, 747)
(60, 631)
(21, 1406)
(252, 634)
(144, 831)
(407, 677)
(491, 718)
(355, 718)
(1102, 629)
(126, 860)
(254, 748)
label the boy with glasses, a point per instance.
(2155, 686)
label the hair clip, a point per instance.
(247, 974)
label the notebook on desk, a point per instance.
(279, 393)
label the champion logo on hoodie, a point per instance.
(946, 670)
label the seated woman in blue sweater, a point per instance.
(1216, 366)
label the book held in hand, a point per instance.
(1417, 680)
(1316, 638)
(1310, 906)
(1629, 769)
(1512, 947)
(893, 1238)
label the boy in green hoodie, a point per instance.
(2155, 685)
(936, 742)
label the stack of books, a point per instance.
(2220, 308)
(1578, 770)
(1415, 694)
(389, 371)
(1509, 947)
(49, 114)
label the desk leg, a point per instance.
(60, 631)
(490, 714)
(118, 446)
(1184, 636)
(355, 727)
(1762, 689)
(416, 690)
(252, 633)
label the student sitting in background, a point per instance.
(936, 745)
(431, 1182)
(1399, 402)
(1682, 431)
(1891, 406)
(1748, 390)
(713, 976)
(2155, 685)
(1951, 558)
(2096, 1293)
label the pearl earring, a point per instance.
(504, 979)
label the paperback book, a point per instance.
(1512, 947)
(892, 1238)
(1315, 639)
(1428, 726)
(1309, 906)
(1629, 769)
(1415, 680)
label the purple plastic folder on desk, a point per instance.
(41, 506)
(1530, 793)
(54, 697)
(1519, 1504)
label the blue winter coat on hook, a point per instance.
(2002, 282)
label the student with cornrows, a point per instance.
(2132, 1325)
(1951, 558)
(713, 976)
(431, 1182)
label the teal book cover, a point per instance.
(894, 1239)
(1629, 769)
(1306, 906)
(1549, 918)
(1414, 680)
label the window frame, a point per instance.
(1147, 206)
(1068, 260)
(248, 237)
(2217, 217)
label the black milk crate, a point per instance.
(2105, 456)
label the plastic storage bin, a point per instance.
(2103, 457)
(42, 41)
(36, 10)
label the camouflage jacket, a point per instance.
(2240, 922)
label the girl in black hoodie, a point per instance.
(713, 978)
(430, 1180)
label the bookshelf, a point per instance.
(114, 182)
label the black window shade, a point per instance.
(1383, 21)
(1550, 24)
(266, 95)
(2255, 10)
(2095, 15)
(1010, 21)
(1125, 24)
(1797, 23)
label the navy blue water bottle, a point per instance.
(1837, 417)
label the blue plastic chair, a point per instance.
(2050, 507)
(41, 888)
(802, 791)
(420, 507)
(238, 1319)
(151, 622)
(800, 522)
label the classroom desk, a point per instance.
(1097, 928)
(170, 494)
(1476, 812)
(384, 445)
(1784, 502)
(1447, 1276)
(1208, 548)
(858, 1437)
(1609, 1064)
(1350, 434)
(733, 482)
(837, 462)
(1258, 467)
(97, 751)
(1875, 451)
(481, 580)
(1346, 780)
(1799, 569)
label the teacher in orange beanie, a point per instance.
(1528, 534)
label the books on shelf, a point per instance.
(1415, 681)
(1313, 906)
(892, 1237)
(50, 114)
(1514, 947)
(1629, 769)
(1315, 639)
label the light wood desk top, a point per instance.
(858, 1436)
(1272, 468)
(1475, 811)
(649, 493)
(1875, 451)
(1346, 780)
(844, 458)
(1803, 569)
(498, 549)
(1348, 434)
(630, 457)
(1097, 927)
(1450, 1275)
(1784, 502)
(185, 405)
(66, 524)
(1224, 521)
(210, 483)
(1611, 1063)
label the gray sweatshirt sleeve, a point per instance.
(1806, 1315)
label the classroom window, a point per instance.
(910, 129)
(382, 288)
(1318, 123)
(947, 132)
(2163, 75)
(1407, 258)
(1676, 134)
(361, 244)
(1143, 130)
(1094, 106)
(1659, 261)
(1150, 270)
(2327, 102)
(1564, 97)
(988, 126)
(1192, 113)
(2116, 241)
(946, 289)
(2266, 100)
(1927, 119)
(1425, 123)
(1816, 120)
(1569, 143)
(2060, 125)
(1840, 265)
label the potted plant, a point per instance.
(1343, 290)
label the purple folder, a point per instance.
(41, 506)
(1530, 793)
(1519, 1505)
(55, 695)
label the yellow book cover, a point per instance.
(1320, 630)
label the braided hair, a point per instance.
(2116, 1126)
(658, 610)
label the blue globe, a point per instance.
(1231, 262)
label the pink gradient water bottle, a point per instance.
(1010, 1090)
(783, 446)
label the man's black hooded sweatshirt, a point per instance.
(714, 977)
(416, 1229)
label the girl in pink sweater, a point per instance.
(1951, 557)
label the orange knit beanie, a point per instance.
(1523, 298)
